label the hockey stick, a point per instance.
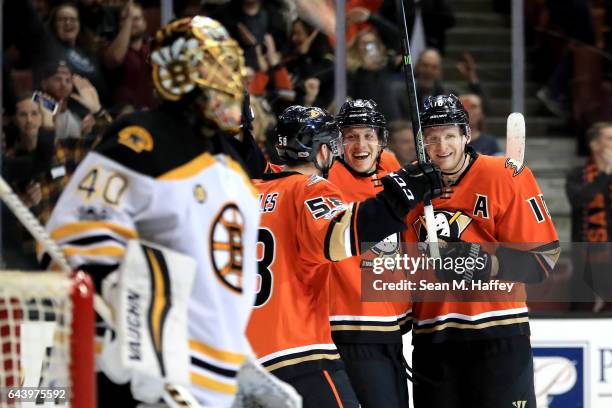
(174, 396)
(430, 219)
(515, 137)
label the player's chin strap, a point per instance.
(468, 152)
(465, 155)
(325, 168)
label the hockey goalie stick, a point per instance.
(430, 219)
(174, 396)
(515, 137)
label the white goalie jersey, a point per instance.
(198, 204)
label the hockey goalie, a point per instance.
(168, 177)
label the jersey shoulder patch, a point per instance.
(314, 179)
(514, 165)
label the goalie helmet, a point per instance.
(445, 110)
(197, 53)
(301, 130)
(363, 113)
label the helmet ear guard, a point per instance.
(301, 130)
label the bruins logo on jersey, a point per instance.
(226, 250)
(448, 224)
(136, 138)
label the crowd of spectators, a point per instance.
(83, 63)
(73, 66)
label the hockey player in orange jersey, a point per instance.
(470, 353)
(368, 334)
(305, 224)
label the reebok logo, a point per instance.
(519, 404)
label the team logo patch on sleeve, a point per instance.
(226, 251)
(136, 138)
(515, 165)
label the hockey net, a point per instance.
(47, 340)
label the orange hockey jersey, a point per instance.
(354, 321)
(304, 224)
(495, 200)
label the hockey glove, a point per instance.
(405, 188)
(462, 260)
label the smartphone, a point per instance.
(47, 103)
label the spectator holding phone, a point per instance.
(62, 39)
(78, 101)
(37, 165)
(27, 165)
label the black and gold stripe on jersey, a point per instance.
(287, 364)
(213, 368)
(494, 324)
(370, 329)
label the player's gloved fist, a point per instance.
(410, 185)
(462, 260)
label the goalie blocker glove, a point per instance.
(408, 186)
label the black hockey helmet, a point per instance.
(363, 113)
(445, 110)
(301, 130)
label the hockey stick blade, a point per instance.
(515, 137)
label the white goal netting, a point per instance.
(46, 340)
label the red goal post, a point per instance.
(47, 325)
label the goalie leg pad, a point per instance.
(150, 299)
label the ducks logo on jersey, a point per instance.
(448, 224)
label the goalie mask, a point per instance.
(197, 54)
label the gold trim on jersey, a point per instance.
(212, 384)
(86, 226)
(216, 353)
(189, 169)
(456, 325)
(304, 359)
(114, 251)
(338, 244)
(159, 300)
(357, 327)
(405, 319)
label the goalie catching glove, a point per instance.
(405, 188)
